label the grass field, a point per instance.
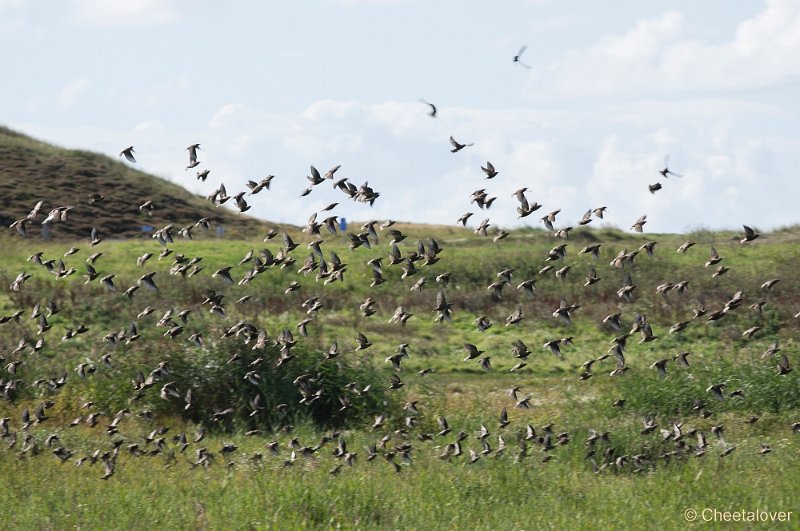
(416, 479)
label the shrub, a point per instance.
(763, 390)
(216, 376)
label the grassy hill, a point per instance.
(31, 170)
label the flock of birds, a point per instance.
(395, 446)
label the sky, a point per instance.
(271, 88)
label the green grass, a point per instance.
(487, 495)
(495, 492)
(428, 493)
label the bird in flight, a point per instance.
(128, 153)
(193, 152)
(456, 145)
(489, 170)
(666, 172)
(434, 110)
(519, 55)
(193, 162)
(749, 235)
(637, 226)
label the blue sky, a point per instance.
(273, 87)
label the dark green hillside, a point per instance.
(31, 170)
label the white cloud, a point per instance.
(124, 12)
(571, 161)
(663, 138)
(15, 15)
(72, 91)
(149, 126)
(167, 91)
(7, 6)
(228, 113)
(657, 57)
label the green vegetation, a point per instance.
(496, 491)
(429, 494)
(347, 450)
(31, 171)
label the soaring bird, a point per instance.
(661, 367)
(224, 274)
(256, 187)
(147, 281)
(147, 207)
(128, 154)
(749, 235)
(444, 429)
(637, 226)
(593, 249)
(783, 365)
(681, 360)
(592, 277)
(516, 317)
(666, 172)
(716, 389)
(613, 321)
(193, 153)
(433, 110)
(94, 238)
(489, 170)
(472, 351)
(554, 346)
(529, 286)
(721, 270)
(241, 204)
(457, 146)
(518, 58)
(714, 259)
(108, 282)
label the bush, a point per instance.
(219, 384)
(763, 390)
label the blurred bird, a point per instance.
(457, 146)
(433, 109)
(128, 154)
(517, 58)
